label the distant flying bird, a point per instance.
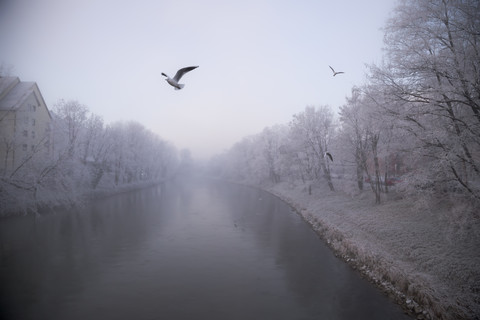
(174, 82)
(336, 72)
(329, 155)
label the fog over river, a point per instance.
(188, 250)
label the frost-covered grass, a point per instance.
(425, 256)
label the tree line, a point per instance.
(85, 156)
(415, 123)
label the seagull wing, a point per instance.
(329, 155)
(332, 70)
(181, 72)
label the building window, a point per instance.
(34, 108)
(33, 148)
(33, 134)
(33, 122)
(25, 133)
(24, 147)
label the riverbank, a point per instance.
(29, 205)
(425, 257)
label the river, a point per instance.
(190, 250)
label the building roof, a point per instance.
(16, 95)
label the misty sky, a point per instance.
(260, 61)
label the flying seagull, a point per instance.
(336, 72)
(174, 82)
(329, 155)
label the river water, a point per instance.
(196, 250)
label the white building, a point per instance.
(25, 124)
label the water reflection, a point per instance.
(186, 251)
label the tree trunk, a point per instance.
(358, 161)
(326, 174)
(377, 187)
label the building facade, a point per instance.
(25, 124)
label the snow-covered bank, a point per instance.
(28, 205)
(427, 258)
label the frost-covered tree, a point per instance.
(377, 134)
(296, 162)
(95, 148)
(240, 161)
(135, 154)
(312, 130)
(373, 144)
(258, 159)
(94, 129)
(431, 81)
(271, 144)
(70, 120)
(354, 133)
(69, 124)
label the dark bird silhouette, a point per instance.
(336, 72)
(174, 81)
(329, 155)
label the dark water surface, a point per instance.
(186, 251)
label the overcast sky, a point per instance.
(260, 61)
